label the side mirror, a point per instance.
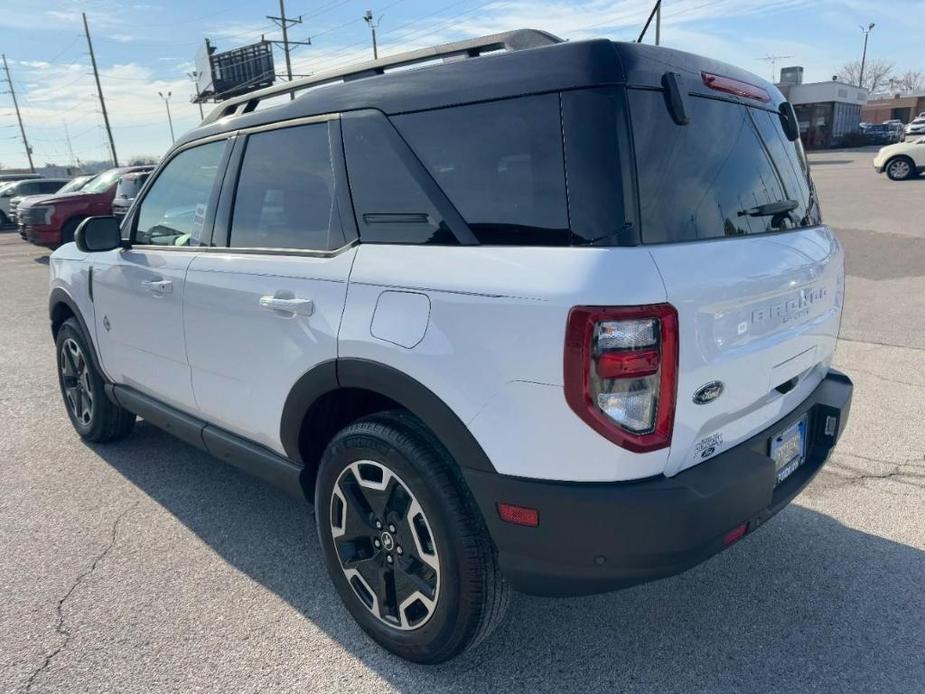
(788, 119)
(97, 234)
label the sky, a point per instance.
(148, 46)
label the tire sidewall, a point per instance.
(71, 330)
(443, 624)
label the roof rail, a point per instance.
(516, 40)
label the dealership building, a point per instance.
(826, 111)
(897, 107)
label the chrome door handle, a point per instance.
(158, 286)
(295, 307)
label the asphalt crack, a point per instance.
(907, 472)
(61, 626)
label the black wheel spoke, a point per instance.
(354, 550)
(418, 575)
(397, 501)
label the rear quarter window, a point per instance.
(717, 176)
(501, 165)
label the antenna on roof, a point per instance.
(773, 60)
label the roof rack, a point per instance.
(516, 40)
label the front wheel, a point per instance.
(404, 544)
(94, 416)
(900, 169)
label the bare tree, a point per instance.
(877, 74)
(912, 81)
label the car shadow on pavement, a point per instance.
(804, 603)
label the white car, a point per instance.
(902, 160)
(499, 337)
(29, 186)
(916, 127)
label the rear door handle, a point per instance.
(289, 306)
(158, 286)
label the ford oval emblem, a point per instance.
(708, 392)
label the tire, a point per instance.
(900, 169)
(437, 537)
(68, 230)
(95, 417)
(4, 220)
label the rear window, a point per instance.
(730, 172)
(500, 164)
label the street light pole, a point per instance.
(864, 54)
(368, 18)
(169, 119)
(194, 75)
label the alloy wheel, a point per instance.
(385, 545)
(900, 168)
(75, 373)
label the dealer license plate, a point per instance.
(788, 449)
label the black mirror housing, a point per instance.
(788, 119)
(98, 234)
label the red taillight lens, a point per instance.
(736, 87)
(621, 369)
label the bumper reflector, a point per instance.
(519, 515)
(735, 534)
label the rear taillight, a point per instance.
(621, 367)
(736, 87)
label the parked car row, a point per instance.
(51, 219)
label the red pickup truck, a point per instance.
(52, 220)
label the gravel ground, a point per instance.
(146, 566)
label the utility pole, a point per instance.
(67, 136)
(772, 59)
(22, 130)
(169, 119)
(864, 54)
(658, 23)
(99, 89)
(284, 23)
(194, 75)
(368, 18)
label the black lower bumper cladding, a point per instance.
(596, 537)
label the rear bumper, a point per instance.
(596, 537)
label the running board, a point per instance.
(225, 446)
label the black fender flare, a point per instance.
(391, 383)
(59, 296)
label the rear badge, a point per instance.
(708, 392)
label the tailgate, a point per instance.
(758, 315)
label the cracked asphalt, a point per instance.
(145, 566)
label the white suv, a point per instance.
(558, 319)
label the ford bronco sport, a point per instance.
(545, 316)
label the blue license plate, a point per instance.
(788, 449)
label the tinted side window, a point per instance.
(712, 177)
(391, 206)
(286, 191)
(501, 165)
(174, 210)
(49, 186)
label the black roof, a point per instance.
(555, 67)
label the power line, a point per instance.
(96, 75)
(22, 130)
(284, 23)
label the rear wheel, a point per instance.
(900, 168)
(93, 414)
(404, 544)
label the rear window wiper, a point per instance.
(771, 209)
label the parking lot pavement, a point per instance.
(146, 566)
